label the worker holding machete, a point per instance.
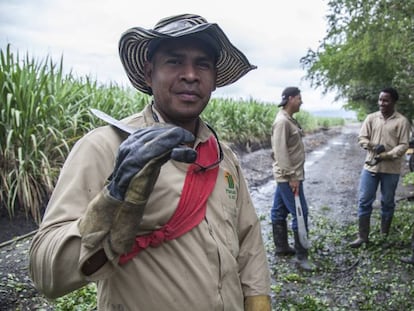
(160, 218)
(288, 170)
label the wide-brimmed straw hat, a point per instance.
(231, 65)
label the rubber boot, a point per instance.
(385, 225)
(302, 255)
(280, 238)
(410, 259)
(385, 229)
(364, 223)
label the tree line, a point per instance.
(369, 44)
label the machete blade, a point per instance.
(303, 233)
(112, 121)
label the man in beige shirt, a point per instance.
(161, 219)
(288, 170)
(385, 135)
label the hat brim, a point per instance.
(283, 102)
(232, 64)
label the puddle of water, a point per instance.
(314, 156)
(263, 196)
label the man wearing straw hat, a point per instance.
(160, 219)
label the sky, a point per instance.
(274, 35)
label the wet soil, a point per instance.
(333, 164)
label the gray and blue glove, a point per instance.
(112, 218)
(143, 153)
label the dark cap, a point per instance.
(287, 92)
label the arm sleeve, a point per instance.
(364, 138)
(280, 149)
(56, 249)
(403, 140)
(252, 260)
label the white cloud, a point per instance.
(273, 34)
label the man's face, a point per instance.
(296, 102)
(386, 103)
(182, 76)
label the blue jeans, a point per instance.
(368, 190)
(284, 203)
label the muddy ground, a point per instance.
(332, 170)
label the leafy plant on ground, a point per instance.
(83, 299)
(408, 179)
(371, 278)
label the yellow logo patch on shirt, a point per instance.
(230, 190)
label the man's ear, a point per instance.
(148, 69)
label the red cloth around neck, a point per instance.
(192, 206)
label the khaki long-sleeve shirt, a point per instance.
(212, 267)
(393, 133)
(288, 149)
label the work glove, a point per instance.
(379, 149)
(112, 218)
(367, 145)
(384, 156)
(257, 303)
(381, 155)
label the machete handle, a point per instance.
(184, 154)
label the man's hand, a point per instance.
(379, 149)
(148, 149)
(112, 218)
(257, 303)
(137, 168)
(294, 185)
(383, 156)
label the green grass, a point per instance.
(42, 114)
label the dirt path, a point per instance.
(333, 173)
(332, 176)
